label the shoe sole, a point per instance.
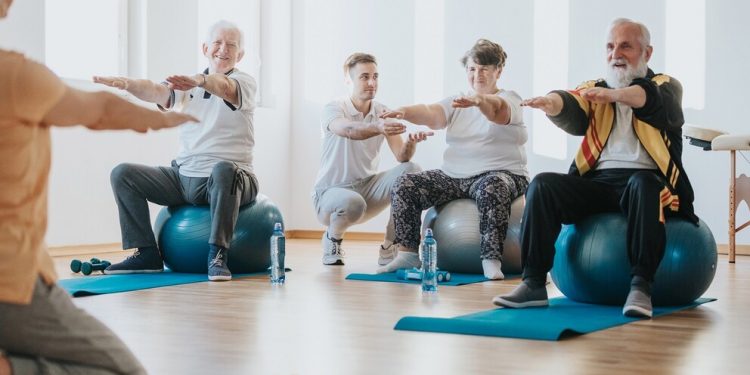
(220, 278)
(384, 262)
(519, 305)
(125, 272)
(337, 262)
(637, 312)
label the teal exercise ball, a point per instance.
(591, 261)
(183, 231)
(455, 226)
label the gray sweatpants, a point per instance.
(225, 190)
(343, 206)
(53, 336)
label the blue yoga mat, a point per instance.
(561, 319)
(456, 278)
(104, 284)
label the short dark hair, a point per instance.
(486, 52)
(358, 58)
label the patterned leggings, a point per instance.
(493, 191)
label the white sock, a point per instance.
(404, 259)
(492, 269)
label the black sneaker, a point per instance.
(523, 296)
(217, 265)
(142, 261)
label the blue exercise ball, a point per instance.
(455, 226)
(591, 262)
(183, 232)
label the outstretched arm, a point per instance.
(215, 83)
(140, 88)
(431, 115)
(104, 110)
(492, 106)
(358, 130)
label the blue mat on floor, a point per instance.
(562, 318)
(104, 284)
(456, 278)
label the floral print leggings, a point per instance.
(493, 191)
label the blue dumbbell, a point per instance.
(416, 274)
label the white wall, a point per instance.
(81, 207)
(327, 31)
(303, 46)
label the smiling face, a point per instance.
(223, 51)
(482, 78)
(627, 57)
(364, 78)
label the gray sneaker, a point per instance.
(217, 265)
(523, 296)
(638, 304)
(387, 254)
(333, 254)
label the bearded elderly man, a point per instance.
(629, 161)
(214, 164)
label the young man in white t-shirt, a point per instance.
(214, 164)
(349, 189)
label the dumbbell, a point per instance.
(77, 265)
(87, 268)
(416, 274)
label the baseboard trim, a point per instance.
(61, 251)
(317, 234)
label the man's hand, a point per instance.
(388, 128)
(466, 101)
(600, 95)
(121, 83)
(419, 136)
(550, 104)
(184, 83)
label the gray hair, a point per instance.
(225, 25)
(645, 38)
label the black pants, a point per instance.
(554, 199)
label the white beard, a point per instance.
(618, 78)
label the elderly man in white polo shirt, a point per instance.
(349, 189)
(214, 164)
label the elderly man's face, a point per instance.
(224, 52)
(626, 58)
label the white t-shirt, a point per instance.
(477, 145)
(345, 160)
(623, 149)
(224, 133)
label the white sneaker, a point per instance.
(404, 259)
(387, 254)
(333, 254)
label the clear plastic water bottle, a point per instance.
(429, 263)
(278, 252)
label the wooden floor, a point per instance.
(319, 323)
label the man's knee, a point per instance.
(352, 207)
(121, 173)
(542, 182)
(223, 175)
(409, 167)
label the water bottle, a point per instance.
(429, 263)
(278, 253)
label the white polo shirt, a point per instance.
(477, 145)
(224, 133)
(345, 160)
